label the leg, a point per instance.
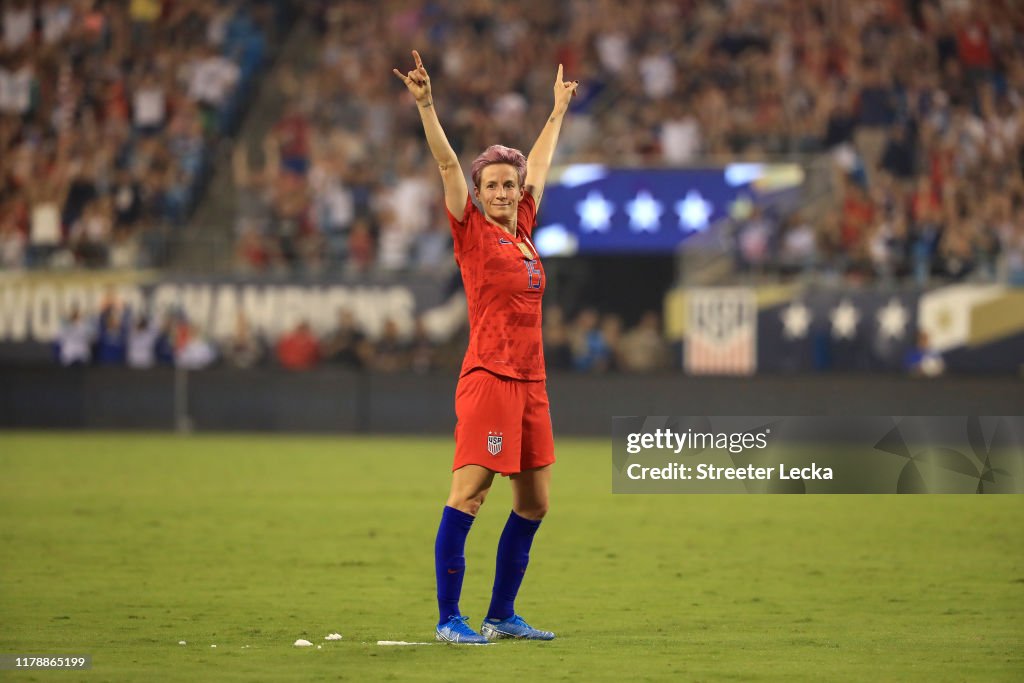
(530, 489)
(470, 485)
(530, 493)
(529, 505)
(486, 441)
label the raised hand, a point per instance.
(564, 90)
(418, 82)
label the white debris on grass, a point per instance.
(333, 636)
(302, 643)
(213, 646)
(181, 642)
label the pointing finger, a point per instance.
(559, 76)
(416, 56)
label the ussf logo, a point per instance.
(494, 442)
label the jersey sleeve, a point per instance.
(461, 229)
(527, 218)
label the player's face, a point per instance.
(499, 193)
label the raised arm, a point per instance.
(539, 160)
(455, 190)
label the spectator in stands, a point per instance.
(212, 77)
(291, 219)
(755, 240)
(876, 113)
(12, 243)
(291, 135)
(923, 361)
(298, 350)
(255, 252)
(254, 186)
(111, 346)
(643, 349)
(45, 228)
(391, 353)
(557, 344)
(422, 350)
(193, 351)
(333, 207)
(346, 345)
(611, 332)
(592, 351)
(18, 24)
(90, 235)
(899, 156)
(164, 348)
(244, 348)
(361, 249)
(74, 342)
(1011, 245)
(142, 343)
(149, 104)
(798, 249)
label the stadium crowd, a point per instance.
(108, 111)
(919, 103)
(117, 337)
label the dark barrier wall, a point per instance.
(335, 401)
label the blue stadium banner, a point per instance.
(595, 209)
(961, 328)
(839, 454)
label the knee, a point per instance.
(468, 504)
(534, 512)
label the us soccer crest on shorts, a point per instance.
(494, 442)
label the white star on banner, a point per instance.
(844, 319)
(595, 212)
(693, 211)
(892, 319)
(796, 319)
(644, 212)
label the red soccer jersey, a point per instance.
(503, 292)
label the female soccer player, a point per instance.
(504, 422)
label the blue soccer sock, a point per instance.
(450, 560)
(513, 556)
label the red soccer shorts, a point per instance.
(503, 424)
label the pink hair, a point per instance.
(499, 154)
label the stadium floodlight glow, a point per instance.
(555, 240)
(575, 175)
(743, 174)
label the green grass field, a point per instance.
(120, 545)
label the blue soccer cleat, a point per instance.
(457, 630)
(513, 627)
